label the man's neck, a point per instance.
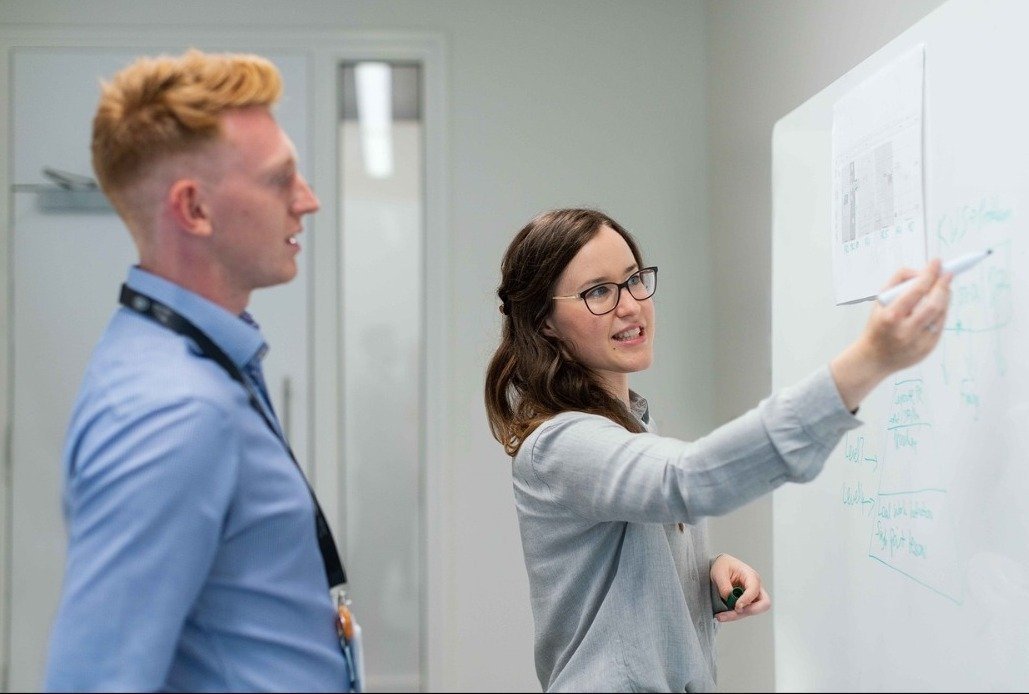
(205, 284)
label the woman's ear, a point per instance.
(548, 329)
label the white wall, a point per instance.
(603, 103)
(550, 104)
(765, 58)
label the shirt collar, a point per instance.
(238, 336)
(639, 407)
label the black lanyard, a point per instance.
(169, 318)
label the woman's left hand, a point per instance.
(727, 572)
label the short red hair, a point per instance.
(168, 105)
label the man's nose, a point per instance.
(305, 201)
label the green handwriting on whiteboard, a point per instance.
(970, 219)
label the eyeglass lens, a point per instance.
(604, 297)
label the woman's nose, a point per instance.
(627, 303)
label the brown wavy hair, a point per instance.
(532, 376)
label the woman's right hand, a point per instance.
(896, 336)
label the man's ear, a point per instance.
(187, 208)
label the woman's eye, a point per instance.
(634, 280)
(598, 292)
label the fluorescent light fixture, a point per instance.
(375, 117)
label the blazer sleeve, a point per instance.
(598, 471)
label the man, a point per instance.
(193, 561)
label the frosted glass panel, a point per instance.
(381, 210)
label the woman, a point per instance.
(622, 583)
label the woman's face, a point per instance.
(614, 344)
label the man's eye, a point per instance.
(284, 179)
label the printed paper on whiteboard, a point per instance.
(878, 218)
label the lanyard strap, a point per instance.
(174, 321)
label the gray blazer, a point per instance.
(621, 599)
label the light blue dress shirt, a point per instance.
(193, 563)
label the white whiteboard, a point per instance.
(905, 565)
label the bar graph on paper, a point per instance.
(877, 207)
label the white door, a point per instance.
(68, 263)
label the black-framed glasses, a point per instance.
(603, 298)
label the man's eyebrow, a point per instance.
(599, 280)
(288, 160)
(284, 165)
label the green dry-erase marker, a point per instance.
(731, 598)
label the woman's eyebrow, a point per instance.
(599, 280)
